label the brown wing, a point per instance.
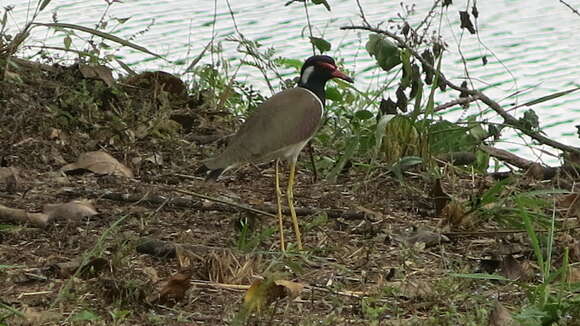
(287, 118)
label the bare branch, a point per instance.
(508, 119)
(574, 10)
(459, 101)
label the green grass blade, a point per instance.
(100, 34)
(480, 276)
(533, 237)
(44, 4)
(551, 96)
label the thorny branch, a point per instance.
(508, 118)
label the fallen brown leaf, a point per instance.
(500, 316)
(291, 289)
(428, 238)
(173, 289)
(70, 211)
(454, 214)
(515, 270)
(263, 292)
(572, 203)
(99, 72)
(99, 163)
(416, 289)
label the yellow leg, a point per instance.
(290, 195)
(279, 203)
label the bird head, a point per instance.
(321, 68)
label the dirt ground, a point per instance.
(377, 252)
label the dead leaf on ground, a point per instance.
(454, 214)
(500, 316)
(172, 290)
(426, 237)
(151, 274)
(515, 270)
(184, 257)
(571, 202)
(415, 289)
(22, 216)
(291, 289)
(263, 292)
(99, 163)
(98, 72)
(71, 211)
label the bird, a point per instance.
(278, 129)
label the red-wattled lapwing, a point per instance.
(280, 128)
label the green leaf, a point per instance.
(404, 164)
(530, 121)
(67, 42)
(85, 315)
(122, 20)
(493, 193)
(364, 115)
(321, 44)
(386, 53)
(407, 69)
(322, 2)
(290, 63)
(446, 136)
(333, 94)
(11, 266)
(481, 161)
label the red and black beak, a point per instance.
(339, 74)
(336, 73)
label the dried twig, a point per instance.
(220, 205)
(536, 170)
(459, 101)
(574, 10)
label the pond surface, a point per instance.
(532, 46)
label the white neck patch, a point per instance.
(306, 75)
